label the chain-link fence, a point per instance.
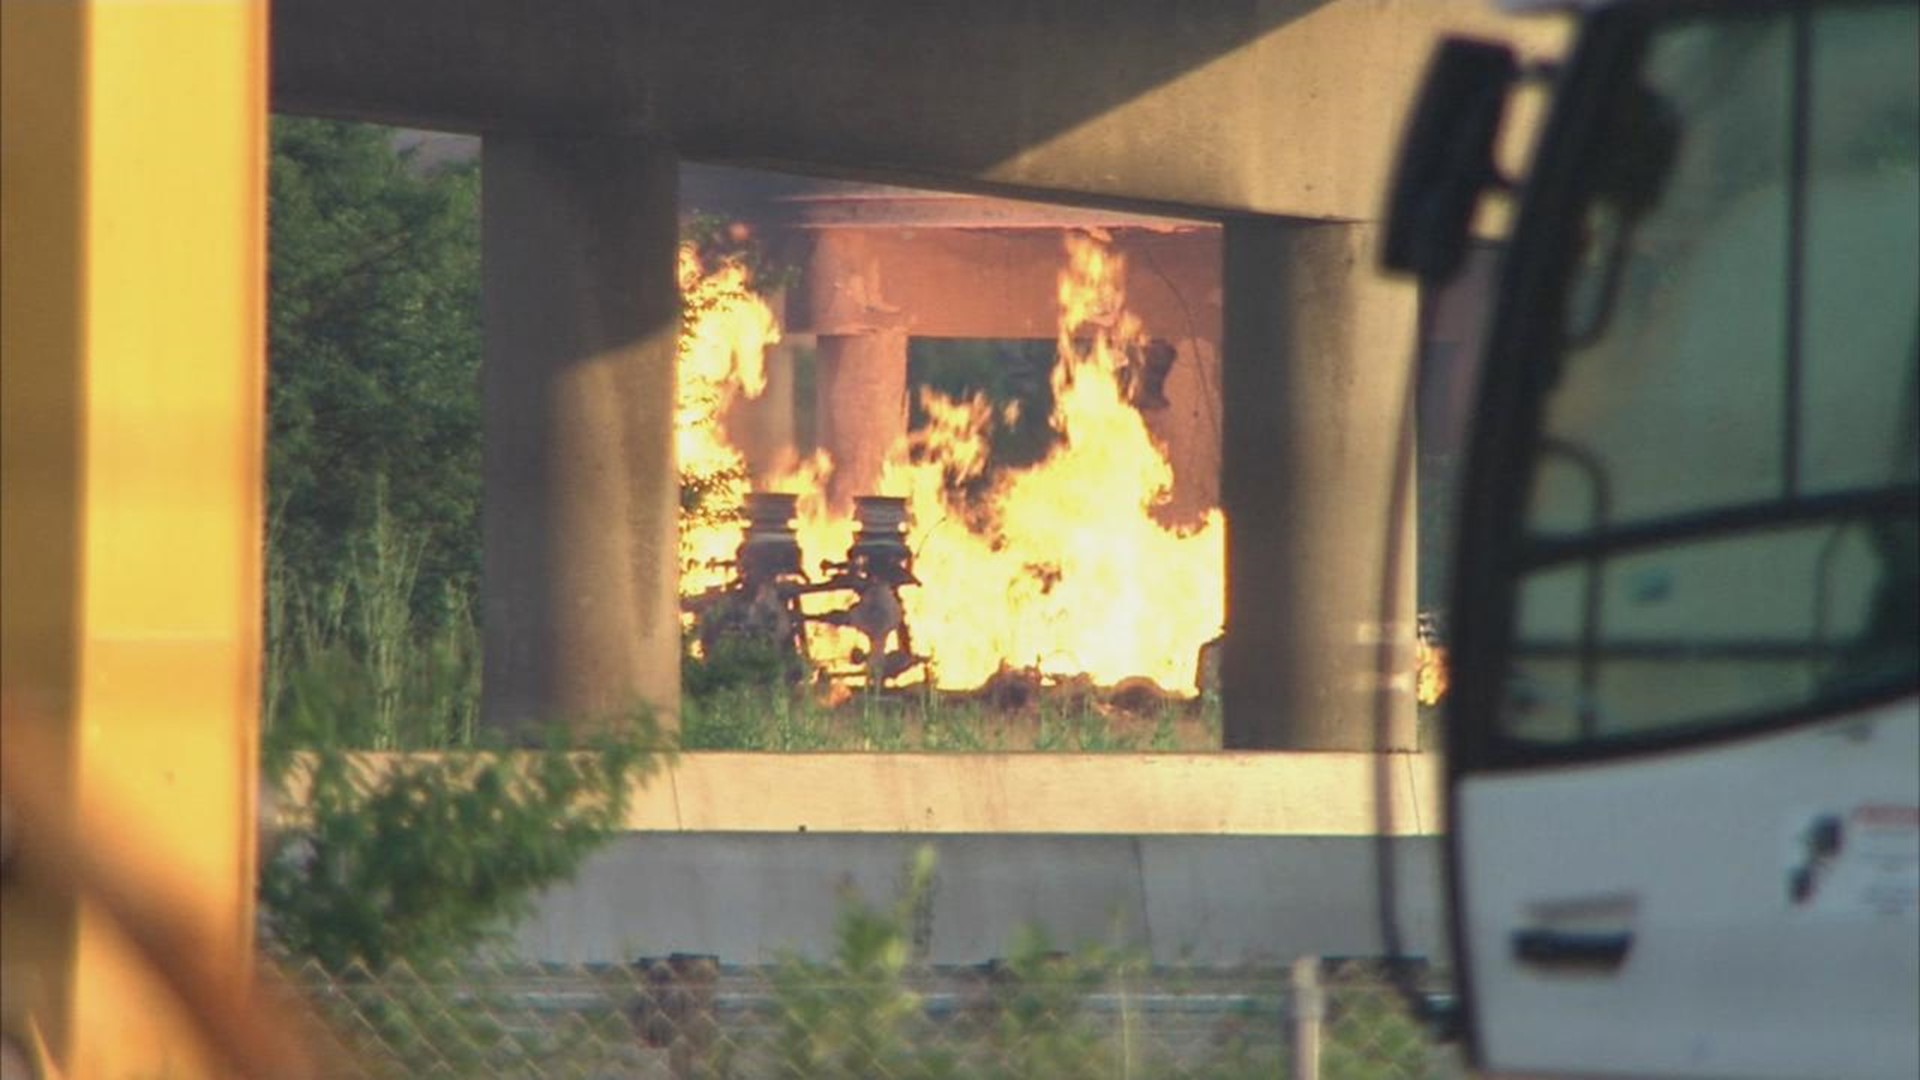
(687, 1017)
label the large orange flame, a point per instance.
(1062, 569)
(724, 336)
(1091, 582)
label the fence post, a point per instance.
(1309, 1006)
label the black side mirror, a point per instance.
(1446, 160)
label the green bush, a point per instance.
(421, 859)
(856, 1014)
(853, 1016)
(1040, 1029)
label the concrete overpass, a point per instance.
(1275, 118)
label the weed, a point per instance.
(881, 725)
(853, 1015)
(769, 716)
(1165, 739)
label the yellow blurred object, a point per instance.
(132, 246)
(43, 1065)
(223, 1019)
(1430, 672)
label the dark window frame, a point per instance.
(1527, 347)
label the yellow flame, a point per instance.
(1069, 572)
(1062, 567)
(1431, 678)
(724, 336)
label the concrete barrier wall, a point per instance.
(1211, 859)
(1218, 793)
(1205, 900)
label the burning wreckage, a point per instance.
(1088, 582)
(763, 608)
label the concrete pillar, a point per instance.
(763, 427)
(1317, 449)
(1188, 426)
(860, 364)
(861, 385)
(582, 316)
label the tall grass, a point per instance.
(381, 572)
(352, 661)
(757, 717)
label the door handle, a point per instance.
(1597, 950)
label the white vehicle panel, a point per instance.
(1732, 971)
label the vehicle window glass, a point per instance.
(1863, 251)
(1715, 518)
(1678, 637)
(1671, 399)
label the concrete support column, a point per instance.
(1317, 449)
(763, 427)
(860, 370)
(1188, 426)
(861, 383)
(582, 316)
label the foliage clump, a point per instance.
(420, 859)
(858, 1014)
(855, 1015)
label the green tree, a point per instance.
(374, 354)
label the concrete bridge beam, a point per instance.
(1264, 106)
